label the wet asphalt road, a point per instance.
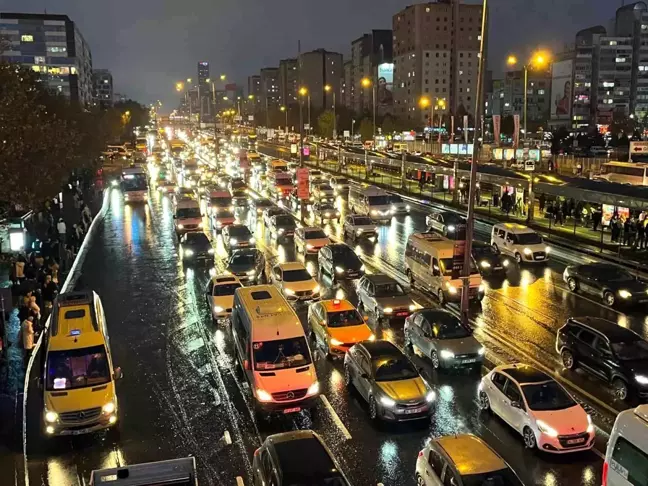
(182, 390)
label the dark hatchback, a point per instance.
(613, 353)
(489, 259)
(248, 265)
(283, 226)
(196, 248)
(610, 283)
(340, 262)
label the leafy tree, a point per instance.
(366, 129)
(325, 123)
(134, 115)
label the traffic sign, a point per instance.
(303, 190)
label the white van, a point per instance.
(370, 201)
(520, 242)
(273, 351)
(626, 459)
(428, 265)
(187, 216)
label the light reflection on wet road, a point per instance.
(182, 389)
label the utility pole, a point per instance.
(470, 221)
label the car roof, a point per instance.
(291, 266)
(600, 266)
(611, 330)
(379, 279)
(470, 454)
(523, 373)
(336, 305)
(301, 455)
(381, 347)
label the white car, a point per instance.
(357, 226)
(295, 282)
(220, 296)
(538, 408)
(310, 239)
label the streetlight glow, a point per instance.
(365, 82)
(179, 86)
(511, 60)
(283, 108)
(250, 97)
(303, 91)
(327, 88)
(222, 77)
(424, 102)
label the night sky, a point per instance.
(149, 44)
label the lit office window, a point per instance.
(27, 38)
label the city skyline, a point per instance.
(158, 43)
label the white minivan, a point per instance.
(187, 217)
(272, 348)
(370, 201)
(520, 242)
(626, 459)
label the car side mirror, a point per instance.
(516, 404)
(366, 318)
(365, 376)
(323, 323)
(246, 365)
(118, 374)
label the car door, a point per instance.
(584, 279)
(368, 296)
(495, 386)
(364, 375)
(509, 243)
(319, 324)
(433, 470)
(415, 332)
(276, 276)
(298, 240)
(584, 344)
(513, 407)
(602, 358)
(428, 343)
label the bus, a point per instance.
(625, 173)
(134, 184)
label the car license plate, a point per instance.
(468, 361)
(292, 410)
(415, 410)
(576, 441)
(539, 257)
(499, 268)
(401, 314)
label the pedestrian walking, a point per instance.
(596, 219)
(541, 202)
(61, 229)
(626, 232)
(86, 215)
(559, 215)
(28, 334)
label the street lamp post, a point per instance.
(352, 124)
(366, 82)
(538, 60)
(302, 92)
(285, 110)
(328, 88)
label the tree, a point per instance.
(325, 123)
(366, 129)
(134, 115)
(388, 125)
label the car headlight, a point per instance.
(374, 212)
(505, 263)
(327, 214)
(231, 208)
(431, 396)
(218, 309)
(188, 252)
(219, 223)
(445, 354)
(387, 402)
(289, 291)
(546, 429)
(527, 251)
(484, 264)
(642, 379)
(388, 310)
(250, 273)
(252, 240)
(335, 342)
(51, 417)
(362, 268)
(482, 288)
(233, 241)
(624, 294)
(263, 396)
(481, 351)
(412, 307)
(547, 249)
(280, 231)
(339, 270)
(372, 337)
(451, 228)
(393, 208)
(313, 389)
(108, 408)
(358, 232)
(408, 207)
(590, 425)
(181, 226)
(451, 288)
(309, 246)
(316, 289)
(210, 251)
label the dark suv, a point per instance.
(607, 350)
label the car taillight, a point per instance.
(421, 455)
(256, 453)
(605, 474)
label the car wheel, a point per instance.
(529, 438)
(620, 388)
(518, 258)
(484, 402)
(347, 376)
(434, 357)
(608, 298)
(572, 284)
(373, 409)
(441, 297)
(568, 359)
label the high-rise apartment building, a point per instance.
(53, 46)
(348, 89)
(254, 90)
(204, 90)
(436, 55)
(321, 68)
(269, 80)
(103, 88)
(288, 81)
(368, 53)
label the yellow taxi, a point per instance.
(337, 325)
(79, 378)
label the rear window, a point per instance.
(75, 314)
(630, 462)
(261, 295)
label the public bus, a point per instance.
(625, 173)
(134, 184)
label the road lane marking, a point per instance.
(336, 418)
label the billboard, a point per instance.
(385, 88)
(561, 90)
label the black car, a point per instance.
(259, 205)
(297, 457)
(240, 198)
(611, 283)
(282, 227)
(196, 247)
(248, 265)
(489, 259)
(613, 353)
(340, 262)
(236, 236)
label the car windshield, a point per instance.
(282, 353)
(362, 221)
(238, 184)
(225, 289)
(613, 273)
(446, 266)
(185, 213)
(453, 218)
(450, 328)
(484, 250)
(239, 231)
(344, 318)
(529, 239)
(547, 396)
(263, 203)
(221, 201)
(325, 187)
(198, 240)
(345, 256)
(314, 234)
(284, 222)
(77, 368)
(247, 259)
(504, 477)
(378, 200)
(393, 368)
(326, 207)
(296, 275)
(341, 180)
(134, 182)
(389, 289)
(224, 214)
(395, 199)
(631, 350)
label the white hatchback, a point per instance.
(538, 408)
(220, 296)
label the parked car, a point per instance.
(612, 284)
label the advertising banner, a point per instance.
(459, 251)
(516, 130)
(497, 124)
(561, 90)
(385, 89)
(465, 128)
(303, 189)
